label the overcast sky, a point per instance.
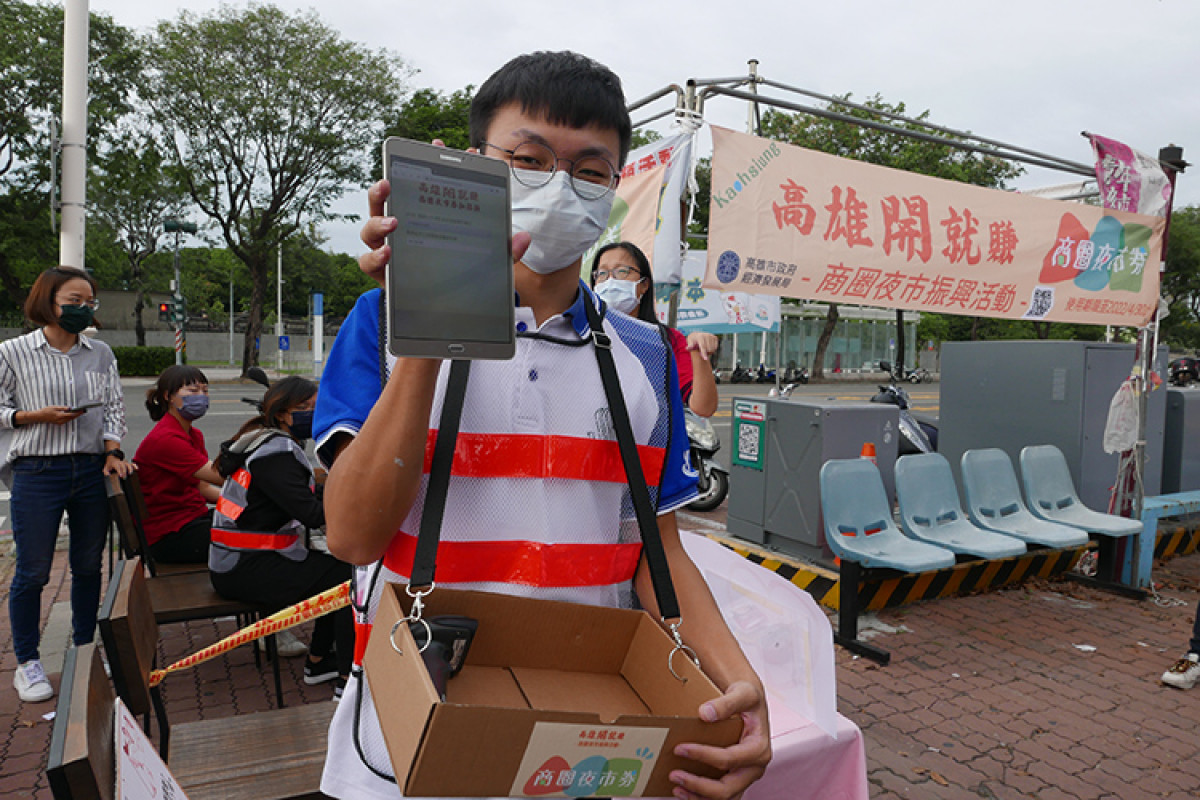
(1032, 73)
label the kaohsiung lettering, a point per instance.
(746, 175)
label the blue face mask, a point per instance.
(301, 427)
(194, 406)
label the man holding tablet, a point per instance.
(559, 121)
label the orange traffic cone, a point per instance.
(868, 451)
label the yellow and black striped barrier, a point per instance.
(1177, 540)
(962, 579)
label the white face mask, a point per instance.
(563, 224)
(619, 295)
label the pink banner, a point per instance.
(1130, 180)
(798, 223)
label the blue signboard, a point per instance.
(284, 343)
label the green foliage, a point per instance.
(886, 148)
(1181, 282)
(643, 137)
(143, 361)
(273, 116)
(429, 115)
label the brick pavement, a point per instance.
(985, 697)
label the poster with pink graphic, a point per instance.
(1130, 180)
(792, 222)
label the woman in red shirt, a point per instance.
(177, 476)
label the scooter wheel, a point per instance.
(718, 488)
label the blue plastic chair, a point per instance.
(858, 521)
(994, 502)
(1051, 494)
(859, 529)
(930, 511)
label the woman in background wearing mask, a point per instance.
(62, 407)
(178, 479)
(259, 552)
(621, 277)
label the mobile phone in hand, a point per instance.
(84, 406)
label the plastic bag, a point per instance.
(1120, 432)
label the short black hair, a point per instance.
(172, 379)
(645, 310)
(568, 88)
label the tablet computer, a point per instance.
(450, 278)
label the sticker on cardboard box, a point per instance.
(570, 760)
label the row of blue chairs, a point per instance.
(934, 532)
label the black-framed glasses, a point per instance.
(621, 273)
(533, 164)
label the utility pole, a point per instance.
(74, 134)
(279, 311)
(179, 314)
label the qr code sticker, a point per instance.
(748, 442)
(1041, 303)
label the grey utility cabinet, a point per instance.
(1016, 393)
(1181, 442)
(778, 449)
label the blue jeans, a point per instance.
(42, 488)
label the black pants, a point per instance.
(188, 545)
(267, 578)
(1194, 647)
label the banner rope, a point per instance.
(316, 606)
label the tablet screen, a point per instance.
(450, 280)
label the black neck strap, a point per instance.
(425, 557)
(652, 546)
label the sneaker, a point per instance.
(338, 688)
(1185, 673)
(320, 671)
(32, 685)
(286, 644)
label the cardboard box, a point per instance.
(554, 700)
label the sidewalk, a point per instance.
(996, 696)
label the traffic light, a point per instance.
(164, 312)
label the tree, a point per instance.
(886, 148)
(131, 195)
(429, 115)
(272, 117)
(31, 58)
(1181, 281)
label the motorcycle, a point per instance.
(1183, 371)
(764, 375)
(741, 375)
(713, 477)
(915, 436)
(794, 374)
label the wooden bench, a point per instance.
(184, 594)
(262, 756)
(81, 765)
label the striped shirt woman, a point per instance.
(61, 405)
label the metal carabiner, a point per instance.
(399, 622)
(680, 647)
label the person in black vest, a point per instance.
(269, 500)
